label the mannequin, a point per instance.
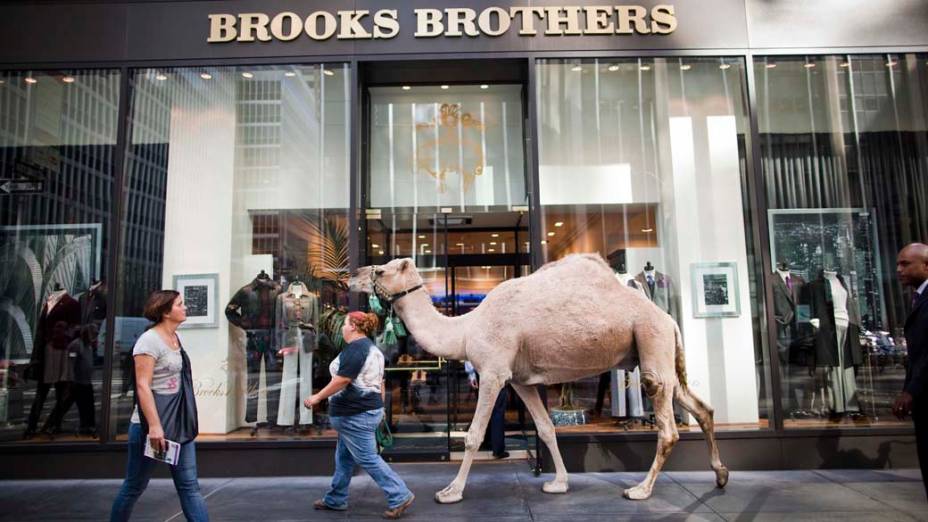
(658, 287)
(836, 322)
(56, 328)
(626, 398)
(253, 309)
(787, 288)
(295, 331)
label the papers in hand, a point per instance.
(171, 453)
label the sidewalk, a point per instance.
(505, 492)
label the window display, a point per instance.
(643, 161)
(57, 145)
(237, 193)
(842, 176)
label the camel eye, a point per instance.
(378, 272)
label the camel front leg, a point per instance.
(490, 386)
(546, 433)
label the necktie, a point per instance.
(651, 283)
(789, 282)
(915, 297)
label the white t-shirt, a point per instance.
(165, 378)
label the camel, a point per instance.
(569, 320)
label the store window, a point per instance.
(57, 146)
(643, 162)
(844, 148)
(236, 194)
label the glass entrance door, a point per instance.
(445, 186)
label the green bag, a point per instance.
(384, 436)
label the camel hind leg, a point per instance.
(661, 395)
(545, 428)
(704, 416)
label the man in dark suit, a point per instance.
(912, 269)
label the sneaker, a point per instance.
(320, 504)
(398, 511)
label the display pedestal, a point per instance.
(568, 417)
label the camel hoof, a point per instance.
(721, 477)
(637, 493)
(448, 496)
(555, 486)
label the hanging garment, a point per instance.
(253, 306)
(297, 314)
(818, 296)
(659, 289)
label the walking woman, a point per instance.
(163, 384)
(355, 409)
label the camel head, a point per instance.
(390, 279)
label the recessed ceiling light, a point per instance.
(645, 67)
(206, 76)
(31, 80)
(248, 75)
(613, 67)
(891, 63)
(428, 251)
(493, 243)
(544, 241)
(484, 86)
(845, 64)
(424, 244)
(808, 65)
(328, 72)
(161, 77)
(491, 250)
(550, 234)
(380, 252)
(771, 65)
(647, 230)
(421, 236)
(406, 87)
(576, 68)
(686, 67)
(289, 74)
(375, 245)
(460, 244)
(2, 82)
(559, 224)
(725, 66)
(444, 87)
(494, 235)
(68, 79)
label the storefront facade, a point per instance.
(752, 167)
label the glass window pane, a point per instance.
(845, 182)
(57, 146)
(237, 195)
(643, 162)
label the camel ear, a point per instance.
(404, 265)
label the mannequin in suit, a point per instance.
(658, 287)
(787, 288)
(912, 269)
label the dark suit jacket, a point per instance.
(817, 295)
(916, 339)
(785, 299)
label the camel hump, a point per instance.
(575, 259)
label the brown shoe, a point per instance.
(398, 511)
(320, 504)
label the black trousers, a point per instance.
(41, 394)
(82, 394)
(260, 347)
(920, 416)
(496, 429)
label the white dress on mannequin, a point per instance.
(841, 381)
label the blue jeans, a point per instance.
(139, 470)
(357, 446)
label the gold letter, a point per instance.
(571, 18)
(386, 24)
(253, 22)
(351, 27)
(598, 20)
(458, 18)
(528, 18)
(632, 13)
(663, 20)
(222, 28)
(428, 23)
(277, 26)
(329, 24)
(485, 21)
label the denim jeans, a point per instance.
(139, 470)
(357, 446)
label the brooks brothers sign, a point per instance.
(451, 22)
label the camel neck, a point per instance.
(437, 334)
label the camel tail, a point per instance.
(679, 358)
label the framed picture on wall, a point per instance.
(200, 293)
(715, 289)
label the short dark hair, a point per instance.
(159, 303)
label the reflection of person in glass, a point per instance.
(159, 367)
(912, 269)
(355, 396)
